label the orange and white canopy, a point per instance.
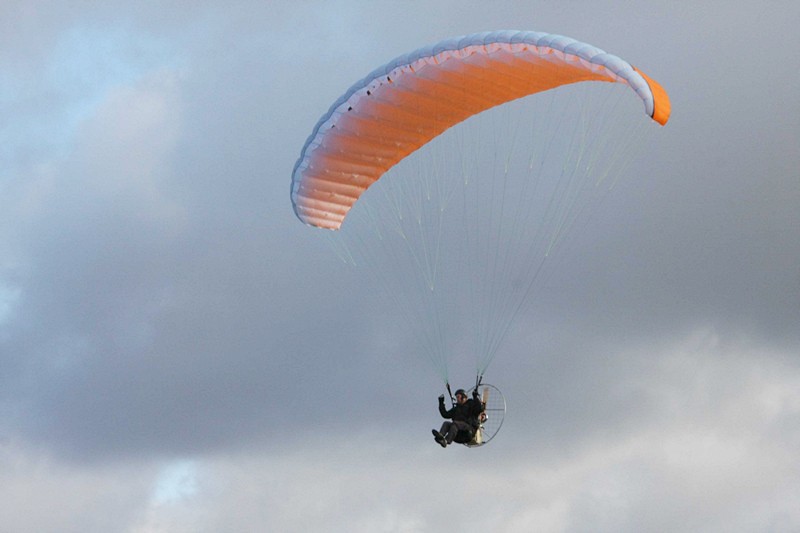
(402, 105)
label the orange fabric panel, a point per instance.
(661, 104)
(390, 115)
(399, 117)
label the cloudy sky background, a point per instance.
(177, 353)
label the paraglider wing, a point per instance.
(402, 105)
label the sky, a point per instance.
(179, 353)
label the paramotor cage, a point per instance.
(492, 417)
